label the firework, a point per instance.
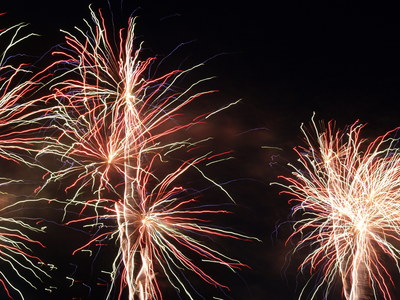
(117, 128)
(17, 141)
(108, 113)
(19, 114)
(346, 196)
(19, 264)
(164, 232)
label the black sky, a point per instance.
(286, 60)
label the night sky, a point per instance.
(285, 60)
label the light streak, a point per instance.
(346, 197)
(19, 115)
(118, 133)
(19, 265)
(16, 254)
(165, 232)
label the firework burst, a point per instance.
(19, 113)
(165, 232)
(346, 196)
(17, 141)
(117, 130)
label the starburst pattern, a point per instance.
(346, 194)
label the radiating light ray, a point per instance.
(17, 140)
(159, 228)
(113, 113)
(118, 129)
(16, 246)
(346, 194)
(165, 232)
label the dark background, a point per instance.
(285, 60)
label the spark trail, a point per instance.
(16, 247)
(346, 194)
(118, 130)
(165, 232)
(17, 140)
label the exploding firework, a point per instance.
(346, 195)
(17, 140)
(117, 129)
(108, 113)
(18, 112)
(165, 232)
